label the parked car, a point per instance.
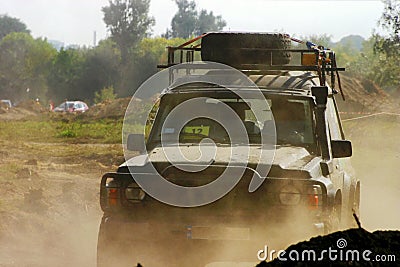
(72, 107)
(6, 102)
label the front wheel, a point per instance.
(335, 218)
(105, 246)
(354, 207)
(111, 247)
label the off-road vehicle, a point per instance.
(309, 187)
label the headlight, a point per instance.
(289, 195)
(134, 193)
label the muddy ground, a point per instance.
(49, 191)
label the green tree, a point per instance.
(365, 64)
(25, 63)
(387, 48)
(207, 22)
(66, 74)
(107, 93)
(183, 24)
(348, 50)
(321, 39)
(188, 21)
(157, 47)
(101, 69)
(128, 22)
(143, 64)
(10, 24)
(379, 58)
(390, 21)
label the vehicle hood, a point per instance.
(286, 160)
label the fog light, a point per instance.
(314, 197)
(289, 195)
(112, 191)
(134, 192)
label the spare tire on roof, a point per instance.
(235, 49)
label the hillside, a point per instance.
(363, 96)
(352, 41)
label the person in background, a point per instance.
(51, 105)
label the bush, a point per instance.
(106, 93)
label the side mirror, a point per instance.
(135, 142)
(341, 148)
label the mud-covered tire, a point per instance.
(354, 207)
(234, 49)
(104, 243)
(357, 199)
(334, 222)
(110, 247)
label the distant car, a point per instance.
(72, 107)
(5, 102)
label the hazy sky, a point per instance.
(74, 21)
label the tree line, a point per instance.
(32, 68)
(378, 59)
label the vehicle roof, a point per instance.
(288, 80)
(72, 102)
(293, 83)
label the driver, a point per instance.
(289, 120)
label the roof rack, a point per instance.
(316, 58)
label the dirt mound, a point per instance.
(115, 109)
(363, 96)
(112, 109)
(353, 247)
(3, 109)
(31, 106)
(22, 110)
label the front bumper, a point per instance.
(155, 242)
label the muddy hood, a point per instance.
(287, 161)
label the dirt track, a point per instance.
(49, 205)
(376, 158)
(58, 225)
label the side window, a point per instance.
(333, 120)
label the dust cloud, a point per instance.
(46, 229)
(376, 158)
(43, 233)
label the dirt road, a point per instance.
(49, 192)
(49, 202)
(376, 160)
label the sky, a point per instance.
(75, 21)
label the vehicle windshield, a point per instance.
(292, 115)
(66, 105)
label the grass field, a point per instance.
(51, 168)
(78, 131)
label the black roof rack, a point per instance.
(317, 59)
